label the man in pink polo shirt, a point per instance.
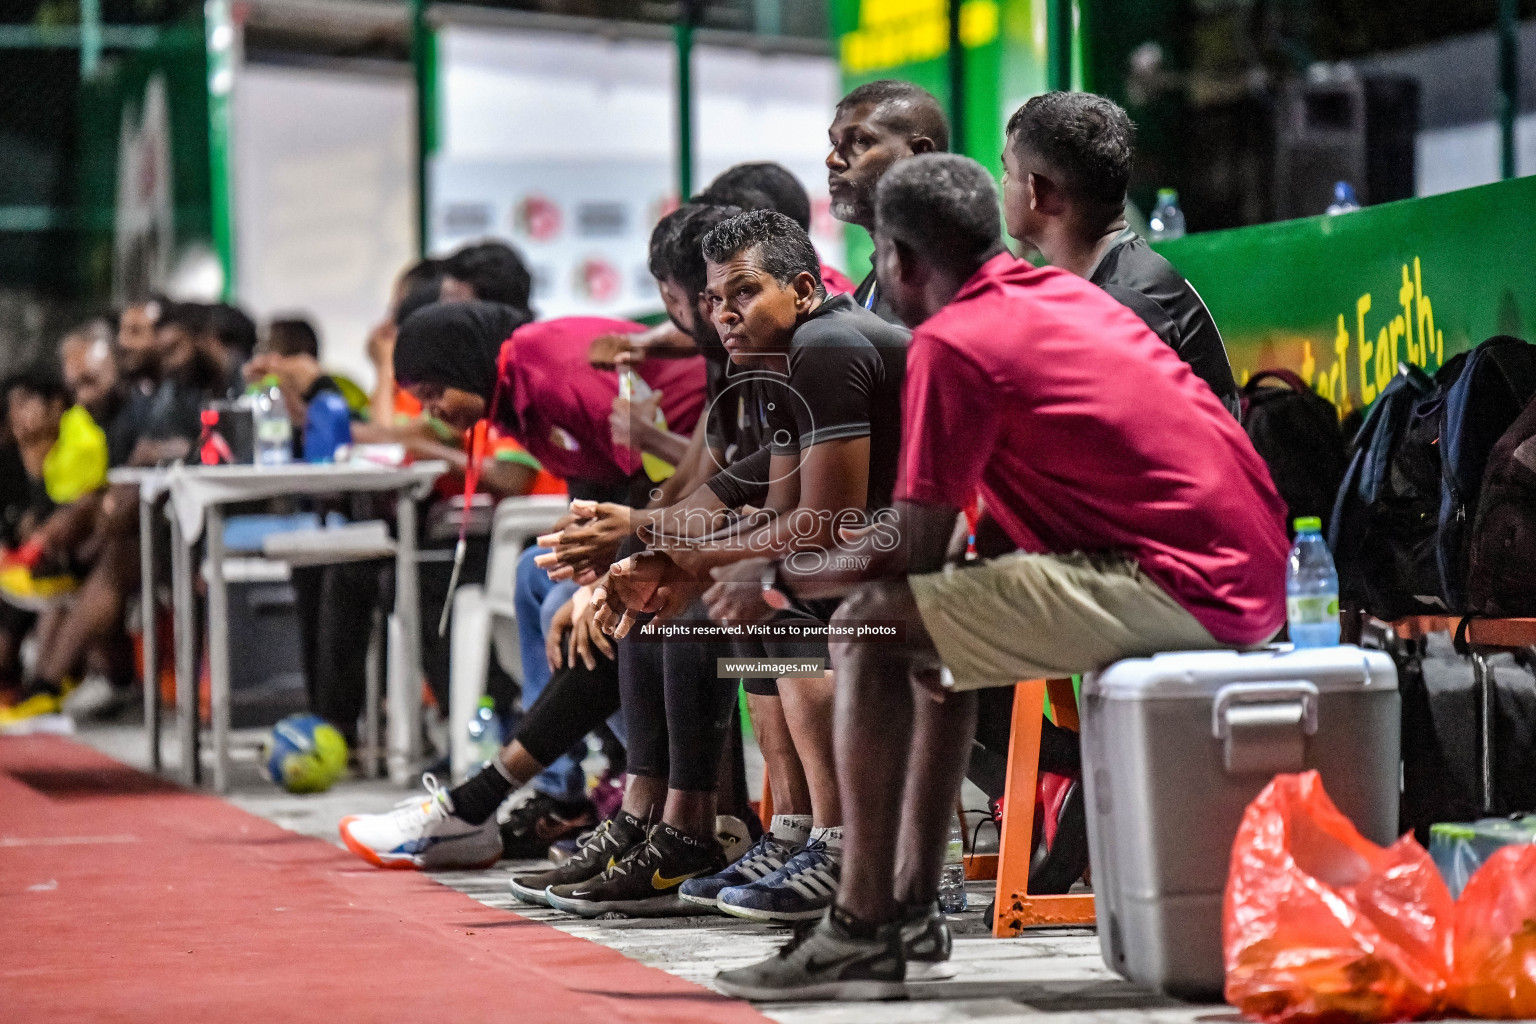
(468, 360)
(1131, 514)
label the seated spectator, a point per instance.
(64, 456)
(1144, 521)
(1066, 167)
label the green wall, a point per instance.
(1341, 300)
(1006, 63)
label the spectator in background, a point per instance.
(488, 271)
(230, 342)
(64, 455)
(169, 355)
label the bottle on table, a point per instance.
(952, 881)
(273, 429)
(1312, 588)
(1344, 200)
(1167, 219)
(485, 735)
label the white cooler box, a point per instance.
(1176, 746)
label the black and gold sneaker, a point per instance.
(600, 850)
(646, 881)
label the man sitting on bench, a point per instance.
(1145, 521)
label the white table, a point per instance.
(198, 495)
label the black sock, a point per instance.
(477, 797)
(855, 927)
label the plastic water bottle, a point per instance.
(1344, 200)
(327, 426)
(274, 431)
(485, 732)
(634, 389)
(952, 881)
(1167, 219)
(1312, 588)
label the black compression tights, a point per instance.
(576, 701)
(676, 710)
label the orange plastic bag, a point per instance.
(1322, 925)
(1495, 972)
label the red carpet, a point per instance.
(123, 898)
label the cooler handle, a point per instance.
(1257, 724)
(1264, 693)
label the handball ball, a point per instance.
(304, 754)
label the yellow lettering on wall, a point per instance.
(896, 32)
(1405, 299)
(1386, 358)
(1429, 338)
(1338, 380)
(1365, 348)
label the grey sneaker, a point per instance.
(926, 943)
(823, 961)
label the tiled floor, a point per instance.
(1056, 975)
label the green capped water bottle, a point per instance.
(1311, 588)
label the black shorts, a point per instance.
(814, 647)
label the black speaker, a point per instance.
(1344, 128)
(1391, 131)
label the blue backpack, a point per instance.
(1494, 387)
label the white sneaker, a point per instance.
(95, 697)
(423, 834)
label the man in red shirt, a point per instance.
(1135, 517)
(468, 360)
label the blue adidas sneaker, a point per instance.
(765, 857)
(800, 890)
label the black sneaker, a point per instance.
(823, 961)
(601, 850)
(533, 826)
(926, 943)
(646, 881)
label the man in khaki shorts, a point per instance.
(1139, 517)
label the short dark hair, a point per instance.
(40, 381)
(779, 245)
(1089, 140)
(427, 271)
(909, 109)
(235, 329)
(494, 272)
(193, 317)
(293, 336)
(775, 182)
(683, 258)
(942, 206)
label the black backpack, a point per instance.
(1386, 517)
(1501, 580)
(1296, 432)
(1494, 387)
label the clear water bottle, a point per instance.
(274, 431)
(1312, 588)
(485, 732)
(1344, 199)
(1167, 219)
(952, 881)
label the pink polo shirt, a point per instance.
(556, 403)
(1083, 431)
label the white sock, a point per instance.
(832, 835)
(791, 828)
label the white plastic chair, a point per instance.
(486, 615)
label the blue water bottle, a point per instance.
(1312, 588)
(328, 426)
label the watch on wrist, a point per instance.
(773, 597)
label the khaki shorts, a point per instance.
(1026, 616)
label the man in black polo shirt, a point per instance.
(1067, 164)
(876, 125)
